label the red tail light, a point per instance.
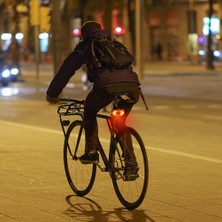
(118, 112)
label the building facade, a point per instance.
(179, 30)
(173, 30)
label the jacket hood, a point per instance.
(98, 34)
(101, 34)
(88, 28)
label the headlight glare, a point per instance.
(5, 73)
(14, 71)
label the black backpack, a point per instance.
(109, 53)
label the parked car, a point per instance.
(5, 73)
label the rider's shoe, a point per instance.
(89, 158)
(131, 173)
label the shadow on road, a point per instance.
(87, 210)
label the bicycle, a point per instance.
(129, 188)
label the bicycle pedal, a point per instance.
(131, 174)
(89, 158)
(131, 177)
(89, 161)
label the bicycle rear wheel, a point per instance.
(130, 190)
(80, 176)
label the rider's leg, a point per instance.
(95, 100)
(129, 156)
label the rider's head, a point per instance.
(88, 28)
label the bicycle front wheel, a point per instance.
(130, 171)
(80, 176)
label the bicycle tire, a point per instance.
(130, 193)
(81, 177)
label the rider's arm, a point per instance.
(52, 100)
(72, 63)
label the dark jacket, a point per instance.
(82, 55)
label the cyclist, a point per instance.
(106, 85)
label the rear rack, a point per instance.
(72, 108)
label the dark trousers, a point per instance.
(100, 97)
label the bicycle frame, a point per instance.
(101, 150)
(73, 110)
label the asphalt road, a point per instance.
(182, 134)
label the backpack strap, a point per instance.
(143, 98)
(97, 63)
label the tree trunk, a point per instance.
(56, 35)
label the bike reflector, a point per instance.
(118, 112)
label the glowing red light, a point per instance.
(119, 31)
(76, 32)
(118, 112)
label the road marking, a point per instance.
(212, 117)
(179, 153)
(188, 106)
(162, 150)
(214, 106)
(32, 127)
(161, 107)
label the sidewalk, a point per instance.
(176, 68)
(180, 79)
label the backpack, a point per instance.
(109, 53)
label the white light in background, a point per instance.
(6, 36)
(7, 91)
(215, 25)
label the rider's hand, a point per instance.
(52, 100)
